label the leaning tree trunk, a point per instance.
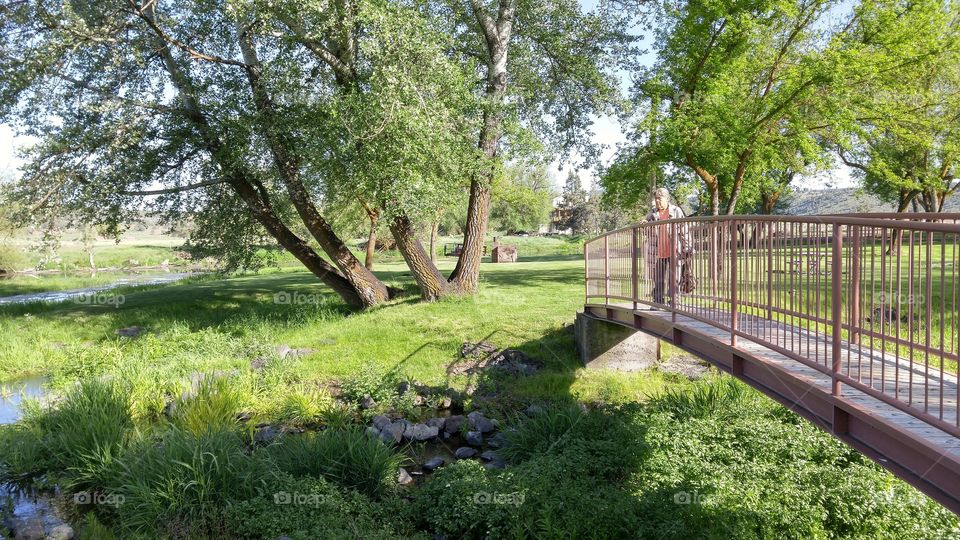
(496, 33)
(370, 289)
(432, 284)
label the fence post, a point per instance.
(586, 273)
(606, 269)
(633, 264)
(855, 287)
(836, 303)
(733, 282)
(769, 270)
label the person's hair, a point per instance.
(661, 192)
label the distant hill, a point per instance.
(842, 201)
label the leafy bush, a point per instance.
(371, 381)
(348, 457)
(604, 441)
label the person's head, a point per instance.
(661, 198)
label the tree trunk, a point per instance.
(434, 233)
(432, 284)
(371, 241)
(370, 289)
(738, 178)
(497, 34)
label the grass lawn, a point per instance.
(644, 455)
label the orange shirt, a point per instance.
(664, 245)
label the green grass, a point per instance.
(611, 471)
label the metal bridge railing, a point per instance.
(872, 300)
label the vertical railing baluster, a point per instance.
(733, 282)
(606, 270)
(837, 305)
(635, 233)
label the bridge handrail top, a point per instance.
(906, 222)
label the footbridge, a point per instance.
(850, 321)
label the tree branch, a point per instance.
(150, 19)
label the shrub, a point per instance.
(348, 457)
(603, 442)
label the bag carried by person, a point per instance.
(688, 283)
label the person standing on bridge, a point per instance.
(660, 244)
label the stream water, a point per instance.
(134, 279)
(24, 505)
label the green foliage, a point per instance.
(523, 200)
(181, 483)
(349, 457)
(703, 398)
(85, 434)
(305, 508)
(213, 407)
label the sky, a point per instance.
(607, 131)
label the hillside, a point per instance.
(842, 201)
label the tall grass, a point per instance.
(348, 457)
(179, 485)
(85, 434)
(705, 397)
(213, 408)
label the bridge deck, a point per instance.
(895, 371)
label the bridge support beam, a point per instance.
(606, 345)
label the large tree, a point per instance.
(228, 112)
(905, 146)
(745, 90)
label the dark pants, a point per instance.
(660, 275)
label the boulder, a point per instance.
(497, 441)
(421, 432)
(437, 422)
(380, 421)
(403, 477)
(453, 423)
(496, 464)
(433, 464)
(392, 433)
(489, 455)
(474, 438)
(480, 423)
(266, 435)
(60, 532)
(465, 452)
(368, 402)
